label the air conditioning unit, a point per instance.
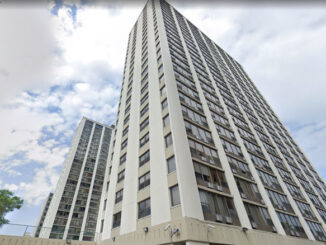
(243, 195)
(210, 185)
(219, 218)
(254, 225)
(228, 220)
(297, 234)
(219, 188)
(262, 201)
(292, 233)
(274, 229)
(234, 170)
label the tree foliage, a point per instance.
(8, 202)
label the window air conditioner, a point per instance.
(210, 185)
(219, 218)
(243, 195)
(219, 188)
(254, 225)
(228, 220)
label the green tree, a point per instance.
(8, 202)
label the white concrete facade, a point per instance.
(257, 181)
(80, 182)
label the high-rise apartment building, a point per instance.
(74, 208)
(42, 216)
(198, 156)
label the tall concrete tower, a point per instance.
(198, 156)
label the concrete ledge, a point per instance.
(204, 232)
(191, 230)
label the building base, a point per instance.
(197, 232)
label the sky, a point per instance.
(62, 61)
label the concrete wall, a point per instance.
(194, 230)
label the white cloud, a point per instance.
(79, 65)
(27, 45)
(11, 187)
(28, 117)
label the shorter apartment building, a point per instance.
(74, 208)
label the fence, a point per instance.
(34, 231)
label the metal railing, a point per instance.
(35, 231)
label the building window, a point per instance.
(317, 231)
(164, 104)
(305, 210)
(144, 140)
(168, 140)
(124, 144)
(144, 88)
(161, 79)
(116, 220)
(175, 196)
(166, 120)
(126, 119)
(144, 208)
(144, 110)
(163, 91)
(102, 224)
(291, 225)
(144, 181)
(160, 69)
(107, 185)
(144, 158)
(203, 153)
(123, 158)
(127, 109)
(144, 124)
(118, 196)
(145, 97)
(128, 100)
(259, 217)
(144, 79)
(125, 131)
(104, 205)
(198, 133)
(171, 164)
(121, 176)
(159, 59)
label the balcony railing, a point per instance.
(34, 231)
